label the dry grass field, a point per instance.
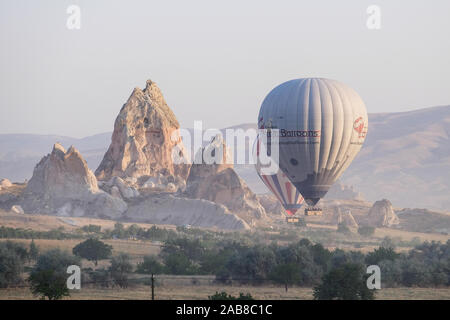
(172, 292)
(46, 222)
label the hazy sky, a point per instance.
(214, 60)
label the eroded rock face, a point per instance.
(118, 188)
(63, 184)
(5, 183)
(218, 182)
(17, 209)
(167, 209)
(343, 192)
(271, 204)
(382, 214)
(146, 133)
(344, 217)
(62, 174)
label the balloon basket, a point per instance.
(313, 211)
(292, 219)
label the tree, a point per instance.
(93, 250)
(150, 265)
(387, 243)
(347, 282)
(286, 274)
(366, 231)
(33, 252)
(178, 263)
(12, 260)
(48, 278)
(92, 228)
(343, 228)
(381, 254)
(225, 296)
(120, 268)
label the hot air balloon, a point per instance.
(279, 184)
(321, 125)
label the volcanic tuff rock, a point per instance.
(168, 209)
(343, 192)
(63, 184)
(271, 204)
(146, 133)
(5, 183)
(17, 209)
(344, 217)
(215, 180)
(382, 214)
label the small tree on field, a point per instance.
(343, 228)
(347, 282)
(366, 231)
(93, 250)
(12, 260)
(286, 274)
(48, 279)
(120, 268)
(150, 265)
(33, 252)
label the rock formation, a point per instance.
(382, 214)
(168, 209)
(118, 188)
(344, 217)
(63, 184)
(5, 183)
(270, 204)
(17, 209)
(213, 178)
(343, 192)
(145, 140)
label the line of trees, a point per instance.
(302, 263)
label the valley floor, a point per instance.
(191, 292)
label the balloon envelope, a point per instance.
(322, 124)
(279, 184)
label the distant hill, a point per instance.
(19, 153)
(405, 158)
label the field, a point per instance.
(46, 222)
(173, 292)
(200, 287)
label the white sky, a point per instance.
(214, 60)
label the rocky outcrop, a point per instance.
(382, 214)
(17, 209)
(168, 209)
(145, 141)
(212, 178)
(344, 217)
(118, 188)
(5, 183)
(63, 184)
(339, 191)
(270, 204)
(62, 173)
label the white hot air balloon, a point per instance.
(322, 125)
(279, 184)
